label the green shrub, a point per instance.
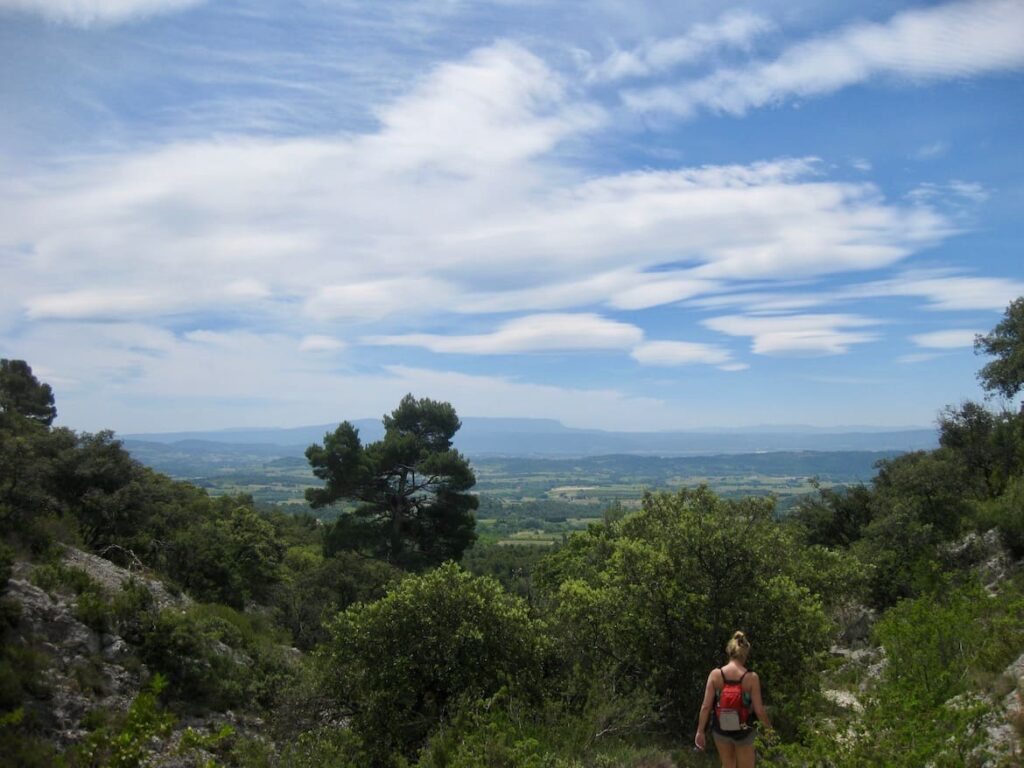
(397, 666)
(923, 710)
(213, 656)
(125, 742)
(506, 732)
(21, 675)
(649, 602)
(57, 577)
(1006, 514)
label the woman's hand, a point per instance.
(699, 741)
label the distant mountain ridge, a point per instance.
(482, 436)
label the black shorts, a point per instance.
(744, 738)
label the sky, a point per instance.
(615, 213)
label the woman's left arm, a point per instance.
(757, 702)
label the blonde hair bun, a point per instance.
(738, 647)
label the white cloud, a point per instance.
(85, 13)
(941, 291)
(796, 334)
(500, 105)
(134, 378)
(954, 40)
(457, 202)
(317, 343)
(673, 353)
(952, 193)
(735, 29)
(576, 407)
(374, 299)
(945, 292)
(931, 151)
(533, 333)
(95, 302)
(949, 339)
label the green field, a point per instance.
(533, 502)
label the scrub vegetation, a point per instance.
(883, 616)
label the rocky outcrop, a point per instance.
(985, 554)
(84, 670)
(113, 577)
(1005, 723)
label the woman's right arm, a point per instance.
(705, 712)
(755, 699)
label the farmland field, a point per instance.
(531, 501)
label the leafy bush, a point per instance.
(399, 665)
(923, 710)
(1006, 514)
(314, 588)
(125, 743)
(231, 557)
(649, 602)
(213, 656)
(57, 577)
(506, 732)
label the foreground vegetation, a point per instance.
(359, 650)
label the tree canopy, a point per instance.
(22, 394)
(410, 490)
(1005, 342)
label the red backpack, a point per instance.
(732, 704)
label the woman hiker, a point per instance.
(732, 697)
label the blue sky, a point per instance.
(622, 215)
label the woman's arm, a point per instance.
(755, 699)
(705, 711)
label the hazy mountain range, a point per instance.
(481, 436)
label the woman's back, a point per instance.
(736, 672)
(733, 733)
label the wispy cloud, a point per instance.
(797, 334)
(458, 202)
(250, 379)
(318, 343)
(945, 292)
(932, 150)
(954, 40)
(85, 13)
(939, 289)
(948, 339)
(533, 333)
(735, 29)
(675, 353)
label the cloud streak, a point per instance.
(735, 29)
(826, 334)
(533, 333)
(458, 202)
(87, 13)
(955, 40)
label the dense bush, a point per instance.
(314, 588)
(1005, 513)
(922, 710)
(649, 601)
(399, 665)
(213, 656)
